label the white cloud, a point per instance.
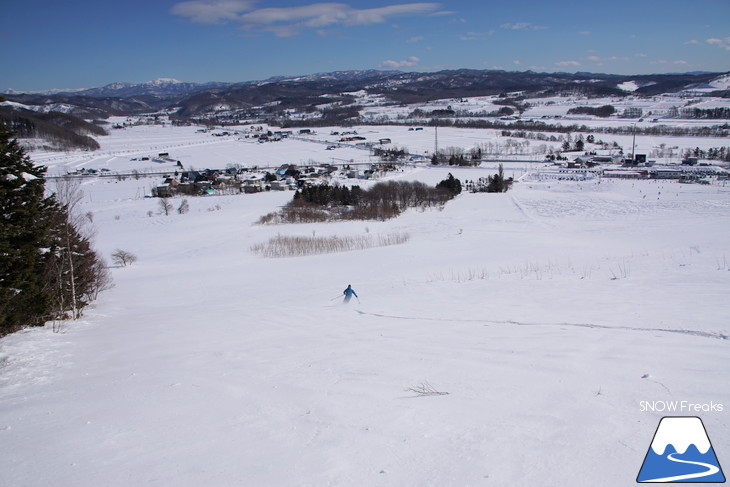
(212, 11)
(723, 43)
(322, 14)
(692, 41)
(680, 61)
(475, 36)
(415, 39)
(411, 61)
(567, 63)
(522, 26)
(442, 13)
(289, 21)
(600, 60)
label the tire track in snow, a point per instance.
(525, 213)
(699, 333)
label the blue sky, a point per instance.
(85, 43)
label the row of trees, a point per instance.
(48, 269)
(540, 126)
(715, 153)
(602, 111)
(708, 113)
(457, 156)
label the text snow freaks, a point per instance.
(679, 407)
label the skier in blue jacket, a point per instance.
(349, 292)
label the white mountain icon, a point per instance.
(680, 452)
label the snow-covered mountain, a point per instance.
(721, 82)
(303, 92)
(157, 87)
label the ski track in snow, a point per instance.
(699, 333)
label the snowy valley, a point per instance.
(507, 339)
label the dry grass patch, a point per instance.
(284, 246)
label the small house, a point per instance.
(278, 185)
(163, 191)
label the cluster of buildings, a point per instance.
(589, 167)
(254, 180)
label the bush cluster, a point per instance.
(383, 201)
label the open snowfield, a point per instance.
(544, 316)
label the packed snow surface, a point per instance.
(510, 341)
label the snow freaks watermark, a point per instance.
(680, 407)
(680, 451)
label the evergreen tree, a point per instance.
(24, 245)
(47, 267)
(451, 184)
(497, 183)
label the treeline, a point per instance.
(48, 269)
(708, 113)
(537, 126)
(60, 130)
(713, 153)
(344, 115)
(520, 125)
(383, 201)
(451, 113)
(602, 111)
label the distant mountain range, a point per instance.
(276, 95)
(158, 87)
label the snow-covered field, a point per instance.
(122, 150)
(546, 316)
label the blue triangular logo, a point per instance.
(681, 452)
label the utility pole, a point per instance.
(436, 140)
(633, 145)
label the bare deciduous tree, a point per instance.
(69, 194)
(165, 206)
(184, 207)
(122, 258)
